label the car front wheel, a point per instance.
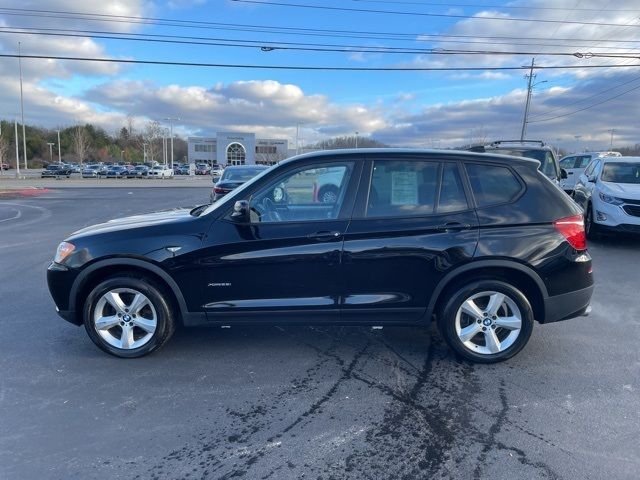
(590, 227)
(128, 317)
(487, 321)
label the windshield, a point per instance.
(620, 172)
(227, 198)
(240, 174)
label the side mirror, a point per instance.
(240, 211)
(563, 174)
(591, 179)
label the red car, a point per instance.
(4, 166)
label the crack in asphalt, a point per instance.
(428, 429)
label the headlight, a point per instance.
(609, 199)
(64, 250)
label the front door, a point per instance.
(414, 227)
(285, 262)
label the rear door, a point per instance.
(412, 224)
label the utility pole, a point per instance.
(611, 131)
(531, 76)
(50, 151)
(17, 150)
(24, 135)
(144, 146)
(356, 139)
(577, 137)
(59, 156)
(297, 137)
(171, 120)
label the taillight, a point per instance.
(572, 228)
(219, 190)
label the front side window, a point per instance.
(492, 184)
(568, 162)
(310, 194)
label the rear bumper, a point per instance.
(568, 305)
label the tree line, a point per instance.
(87, 143)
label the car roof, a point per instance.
(415, 152)
(620, 159)
(247, 166)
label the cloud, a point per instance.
(63, 46)
(255, 105)
(500, 117)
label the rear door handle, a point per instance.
(451, 226)
(324, 235)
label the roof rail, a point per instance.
(498, 142)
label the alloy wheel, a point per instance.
(125, 318)
(488, 322)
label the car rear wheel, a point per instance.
(128, 317)
(487, 321)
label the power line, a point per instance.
(586, 108)
(510, 7)
(395, 36)
(192, 40)
(423, 14)
(602, 92)
(270, 46)
(309, 67)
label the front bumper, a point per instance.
(60, 280)
(568, 305)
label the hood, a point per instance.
(137, 221)
(229, 184)
(622, 190)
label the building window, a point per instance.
(236, 154)
(266, 149)
(203, 148)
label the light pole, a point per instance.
(24, 135)
(611, 131)
(59, 156)
(356, 139)
(17, 150)
(144, 155)
(171, 120)
(51, 144)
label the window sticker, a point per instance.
(404, 188)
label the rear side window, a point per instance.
(402, 188)
(492, 184)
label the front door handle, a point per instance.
(324, 236)
(452, 226)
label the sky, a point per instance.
(574, 109)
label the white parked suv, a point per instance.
(609, 193)
(160, 171)
(575, 164)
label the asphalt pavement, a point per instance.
(304, 402)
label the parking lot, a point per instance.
(303, 402)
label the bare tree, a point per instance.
(150, 137)
(81, 142)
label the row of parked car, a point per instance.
(59, 170)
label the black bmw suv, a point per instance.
(484, 244)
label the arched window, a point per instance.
(236, 154)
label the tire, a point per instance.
(328, 194)
(470, 335)
(590, 227)
(151, 325)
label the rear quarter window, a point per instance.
(492, 184)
